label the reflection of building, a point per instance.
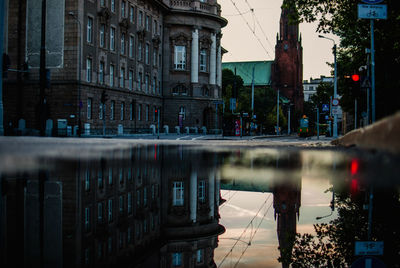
(145, 55)
(131, 209)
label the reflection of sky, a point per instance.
(241, 207)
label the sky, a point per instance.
(243, 45)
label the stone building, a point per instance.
(113, 64)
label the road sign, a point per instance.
(335, 102)
(369, 261)
(232, 104)
(325, 107)
(372, 11)
(372, 2)
(336, 110)
(369, 248)
(366, 83)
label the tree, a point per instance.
(340, 18)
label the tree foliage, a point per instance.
(340, 17)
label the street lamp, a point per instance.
(72, 14)
(335, 131)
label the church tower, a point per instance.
(287, 69)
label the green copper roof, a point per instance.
(262, 71)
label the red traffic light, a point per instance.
(355, 77)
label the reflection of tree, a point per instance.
(333, 243)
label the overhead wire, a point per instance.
(252, 30)
(245, 230)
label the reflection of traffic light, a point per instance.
(354, 184)
(156, 113)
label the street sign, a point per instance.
(368, 261)
(325, 107)
(369, 248)
(336, 110)
(232, 104)
(366, 83)
(372, 2)
(218, 102)
(372, 11)
(335, 102)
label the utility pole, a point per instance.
(372, 71)
(277, 114)
(2, 4)
(317, 123)
(355, 113)
(252, 94)
(42, 71)
(288, 129)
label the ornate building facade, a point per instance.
(118, 65)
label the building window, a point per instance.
(154, 27)
(122, 44)
(131, 45)
(102, 35)
(101, 111)
(111, 75)
(139, 51)
(131, 14)
(121, 77)
(180, 60)
(87, 218)
(100, 212)
(140, 112)
(176, 259)
(140, 18)
(123, 7)
(147, 112)
(203, 60)
(130, 76)
(131, 111)
(112, 38)
(200, 256)
(87, 180)
(110, 210)
(202, 191)
(145, 196)
(100, 179)
(110, 176)
(147, 54)
(101, 72)
(89, 70)
(147, 23)
(155, 53)
(89, 108)
(129, 203)
(182, 112)
(89, 30)
(154, 83)
(122, 110)
(177, 193)
(102, 3)
(121, 204)
(140, 81)
(112, 110)
(146, 82)
(113, 5)
(138, 197)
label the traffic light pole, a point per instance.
(372, 71)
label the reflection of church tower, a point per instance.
(287, 69)
(286, 205)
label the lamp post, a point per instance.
(335, 131)
(72, 14)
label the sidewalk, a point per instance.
(382, 135)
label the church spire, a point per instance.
(287, 30)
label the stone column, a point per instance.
(219, 67)
(193, 196)
(213, 58)
(195, 57)
(211, 194)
